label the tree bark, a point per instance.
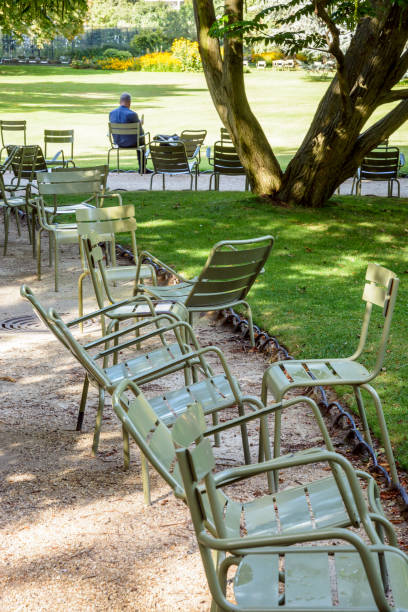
(225, 80)
(336, 141)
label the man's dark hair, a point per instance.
(125, 97)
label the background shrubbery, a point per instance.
(184, 57)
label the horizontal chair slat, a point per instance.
(232, 258)
(107, 227)
(227, 272)
(222, 286)
(375, 295)
(77, 176)
(127, 212)
(69, 188)
(213, 299)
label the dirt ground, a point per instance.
(75, 533)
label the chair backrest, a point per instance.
(226, 160)
(12, 126)
(95, 259)
(225, 135)
(93, 369)
(73, 182)
(59, 137)
(125, 129)
(149, 432)
(229, 273)
(39, 310)
(95, 222)
(29, 160)
(102, 169)
(6, 165)
(381, 164)
(192, 139)
(170, 158)
(380, 290)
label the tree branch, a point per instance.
(375, 134)
(335, 50)
(394, 96)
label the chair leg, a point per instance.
(126, 451)
(82, 405)
(276, 435)
(33, 228)
(56, 288)
(98, 422)
(363, 416)
(250, 323)
(145, 480)
(38, 239)
(217, 438)
(384, 433)
(6, 229)
(244, 436)
(81, 297)
(265, 449)
(17, 221)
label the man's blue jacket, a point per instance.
(123, 114)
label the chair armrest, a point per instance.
(111, 196)
(265, 411)
(56, 156)
(158, 331)
(107, 309)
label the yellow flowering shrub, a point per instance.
(187, 52)
(114, 63)
(161, 61)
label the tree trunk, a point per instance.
(334, 144)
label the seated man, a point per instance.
(123, 114)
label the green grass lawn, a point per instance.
(310, 294)
(57, 97)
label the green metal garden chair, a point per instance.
(325, 502)
(183, 353)
(231, 269)
(128, 129)
(83, 183)
(172, 160)
(65, 137)
(96, 223)
(380, 164)
(225, 162)
(102, 277)
(11, 126)
(88, 183)
(27, 161)
(225, 135)
(11, 203)
(193, 141)
(380, 290)
(272, 571)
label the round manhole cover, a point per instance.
(23, 323)
(28, 323)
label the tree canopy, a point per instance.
(43, 19)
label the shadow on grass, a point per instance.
(76, 97)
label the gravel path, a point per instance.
(133, 181)
(75, 533)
